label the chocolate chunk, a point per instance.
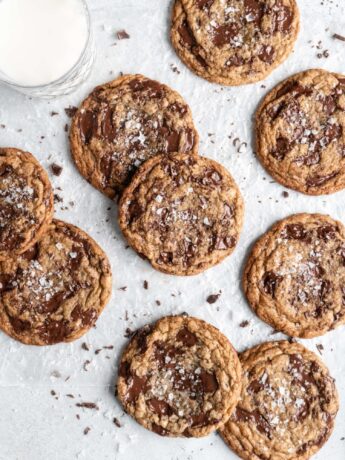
(296, 232)
(282, 148)
(326, 232)
(211, 177)
(318, 180)
(107, 127)
(204, 4)
(241, 415)
(225, 33)
(19, 325)
(54, 331)
(329, 104)
(160, 407)
(136, 386)
(188, 338)
(333, 132)
(255, 10)
(221, 243)
(284, 19)
(209, 382)
(270, 282)
(71, 111)
(159, 430)
(266, 54)
(88, 125)
(186, 34)
(295, 88)
(199, 420)
(141, 337)
(235, 61)
(153, 88)
(173, 141)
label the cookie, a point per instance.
(300, 132)
(288, 404)
(26, 201)
(179, 377)
(182, 213)
(124, 123)
(56, 290)
(295, 275)
(234, 42)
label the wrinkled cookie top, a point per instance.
(183, 213)
(179, 377)
(125, 122)
(56, 290)
(242, 40)
(26, 201)
(287, 406)
(301, 132)
(295, 276)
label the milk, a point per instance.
(40, 40)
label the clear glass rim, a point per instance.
(70, 71)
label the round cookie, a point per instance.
(234, 42)
(183, 213)
(56, 290)
(125, 122)
(288, 404)
(300, 132)
(295, 275)
(179, 377)
(26, 201)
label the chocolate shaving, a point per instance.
(88, 405)
(339, 37)
(122, 35)
(87, 429)
(116, 422)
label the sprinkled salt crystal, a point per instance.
(206, 221)
(73, 255)
(59, 246)
(159, 198)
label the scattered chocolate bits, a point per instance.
(56, 169)
(88, 405)
(128, 333)
(213, 298)
(53, 393)
(244, 323)
(53, 114)
(320, 347)
(123, 288)
(86, 364)
(116, 422)
(339, 37)
(145, 284)
(122, 35)
(87, 430)
(71, 111)
(69, 395)
(85, 346)
(285, 194)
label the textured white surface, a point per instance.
(33, 424)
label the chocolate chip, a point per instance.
(56, 169)
(223, 34)
(270, 282)
(296, 232)
(136, 385)
(209, 382)
(188, 338)
(282, 148)
(326, 232)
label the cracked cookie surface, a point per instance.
(56, 290)
(125, 122)
(182, 213)
(288, 404)
(295, 275)
(179, 377)
(234, 42)
(300, 132)
(26, 201)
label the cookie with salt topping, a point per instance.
(295, 275)
(300, 132)
(55, 291)
(288, 404)
(26, 201)
(179, 377)
(123, 123)
(234, 42)
(182, 213)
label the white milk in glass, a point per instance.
(41, 40)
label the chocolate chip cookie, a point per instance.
(183, 213)
(295, 276)
(300, 132)
(26, 201)
(56, 290)
(179, 377)
(125, 122)
(234, 42)
(287, 407)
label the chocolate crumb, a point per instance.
(88, 405)
(69, 395)
(56, 169)
(71, 111)
(98, 351)
(116, 422)
(213, 298)
(78, 416)
(128, 333)
(57, 198)
(320, 347)
(53, 114)
(53, 393)
(158, 302)
(85, 346)
(56, 374)
(87, 429)
(145, 284)
(285, 194)
(108, 347)
(123, 288)
(86, 363)
(339, 37)
(244, 323)
(122, 35)
(66, 128)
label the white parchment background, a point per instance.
(33, 424)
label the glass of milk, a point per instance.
(46, 46)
